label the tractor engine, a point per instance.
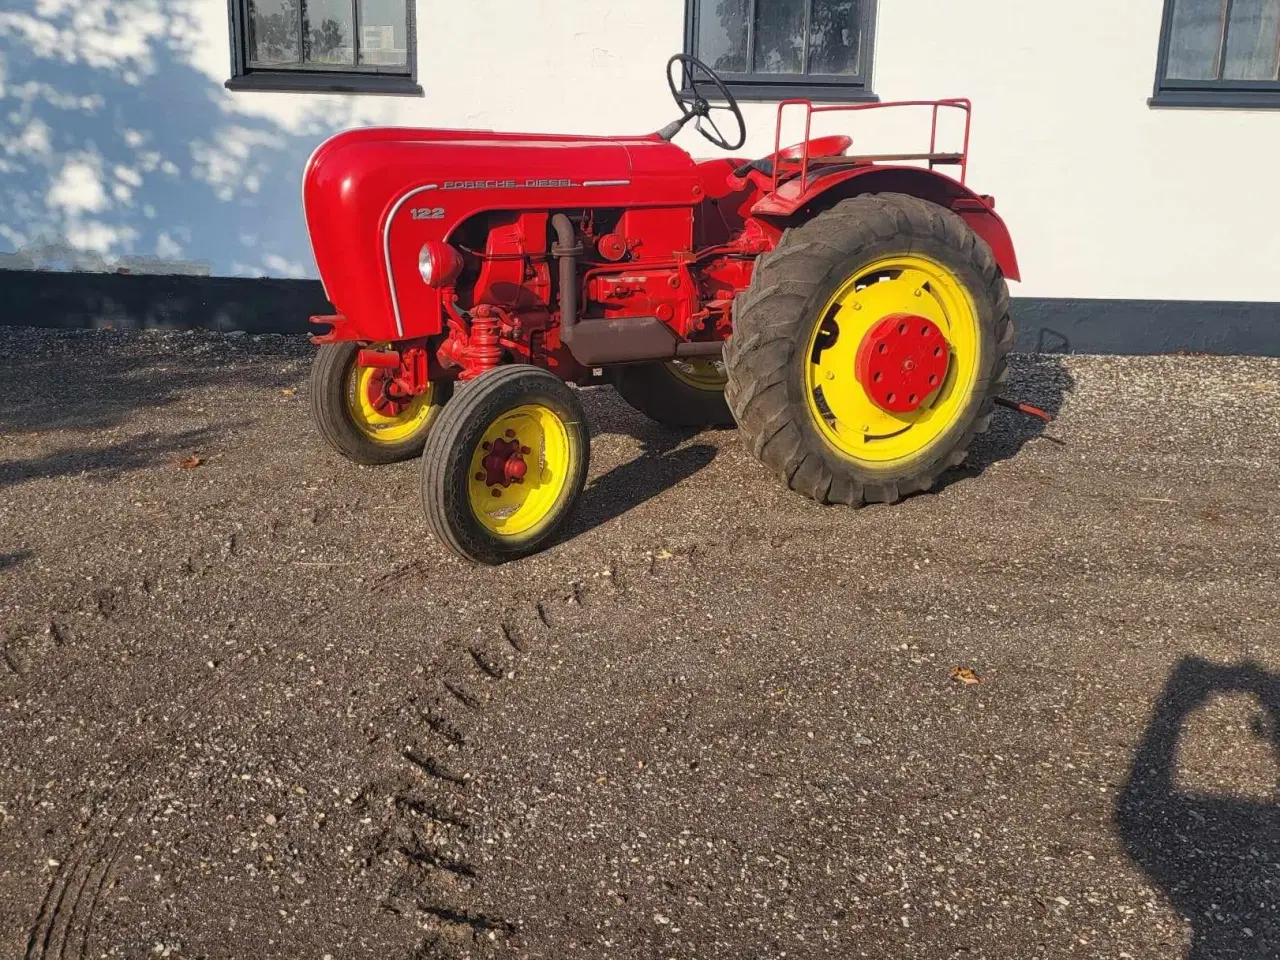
(629, 264)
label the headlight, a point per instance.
(426, 265)
(439, 264)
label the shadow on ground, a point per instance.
(1042, 381)
(15, 558)
(1217, 858)
(81, 387)
(662, 464)
(109, 462)
(90, 381)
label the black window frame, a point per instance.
(781, 86)
(1222, 93)
(334, 78)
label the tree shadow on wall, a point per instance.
(1217, 858)
(117, 151)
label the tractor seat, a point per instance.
(832, 146)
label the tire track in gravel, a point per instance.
(439, 885)
(61, 910)
(53, 932)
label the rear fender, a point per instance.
(826, 191)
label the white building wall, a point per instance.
(167, 170)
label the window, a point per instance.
(346, 46)
(771, 49)
(1219, 53)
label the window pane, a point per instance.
(835, 37)
(779, 36)
(384, 33)
(1197, 34)
(1253, 40)
(329, 32)
(722, 34)
(273, 32)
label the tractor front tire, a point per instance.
(503, 469)
(830, 295)
(345, 400)
(677, 393)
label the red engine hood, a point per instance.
(373, 196)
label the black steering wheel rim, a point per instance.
(690, 96)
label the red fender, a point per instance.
(826, 188)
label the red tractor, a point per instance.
(848, 312)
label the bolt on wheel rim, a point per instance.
(852, 411)
(519, 470)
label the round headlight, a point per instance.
(439, 264)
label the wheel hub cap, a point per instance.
(503, 463)
(382, 398)
(902, 361)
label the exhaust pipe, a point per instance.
(567, 250)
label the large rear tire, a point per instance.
(797, 385)
(677, 393)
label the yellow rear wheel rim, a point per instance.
(513, 509)
(700, 373)
(846, 416)
(362, 384)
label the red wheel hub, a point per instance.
(902, 361)
(384, 396)
(504, 464)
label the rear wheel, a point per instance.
(678, 393)
(360, 412)
(868, 351)
(505, 465)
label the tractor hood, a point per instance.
(372, 197)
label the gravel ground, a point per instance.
(250, 709)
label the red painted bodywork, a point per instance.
(661, 235)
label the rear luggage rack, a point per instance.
(934, 158)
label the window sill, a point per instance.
(821, 92)
(1217, 99)
(288, 81)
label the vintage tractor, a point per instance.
(849, 312)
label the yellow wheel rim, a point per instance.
(364, 388)
(511, 507)
(847, 417)
(702, 374)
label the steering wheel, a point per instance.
(689, 87)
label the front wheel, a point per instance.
(505, 465)
(360, 413)
(869, 349)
